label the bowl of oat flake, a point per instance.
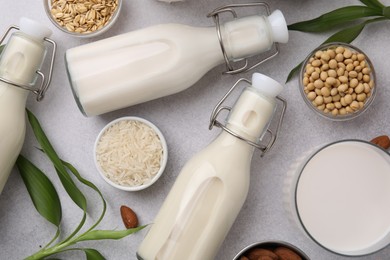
(337, 81)
(83, 18)
(130, 153)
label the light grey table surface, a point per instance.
(184, 119)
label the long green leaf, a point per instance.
(41, 190)
(89, 184)
(386, 12)
(92, 186)
(76, 173)
(70, 187)
(347, 35)
(335, 18)
(79, 226)
(108, 234)
(294, 71)
(1, 48)
(92, 254)
(373, 3)
(351, 33)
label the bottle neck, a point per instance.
(20, 60)
(229, 142)
(246, 37)
(251, 115)
(12, 95)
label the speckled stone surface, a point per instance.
(184, 119)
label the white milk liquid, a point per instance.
(343, 198)
(209, 192)
(19, 62)
(154, 62)
(247, 37)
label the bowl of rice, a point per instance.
(130, 153)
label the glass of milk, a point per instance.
(339, 195)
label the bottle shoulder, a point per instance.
(223, 151)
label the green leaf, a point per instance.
(108, 234)
(70, 187)
(79, 226)
(62, 167)
(335, 18)
(373, 3)
(1, 48)
(347, 35)
(87, 183)
(41, 190)
(92, 254)
(91, 185)
(294, 71)
(386, 12)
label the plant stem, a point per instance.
(54, 238)
(58, 248)
(77, 229)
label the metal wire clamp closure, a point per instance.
(229, 8)
(44, 81)
(220, 107)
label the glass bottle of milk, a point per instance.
(20, 60)
(161, 60)
(212, 187)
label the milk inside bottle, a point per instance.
(22, 56)
(212, 187)
(161, 60)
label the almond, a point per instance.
(256, 253)
(285, 253)
(382, 141)
(129, 217)
(265, 258)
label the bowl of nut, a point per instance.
(337, 81)
(82, 18)
(271, 250)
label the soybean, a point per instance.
(338, 80)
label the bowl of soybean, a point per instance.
(337, 81)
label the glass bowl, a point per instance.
(82, 20)
(337, 85)
(280, 248)
(338, 195)
(117, 161)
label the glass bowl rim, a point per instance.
(272, 243)
(164, 158)
(112, 20)
(349, 116)
(298, 172)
